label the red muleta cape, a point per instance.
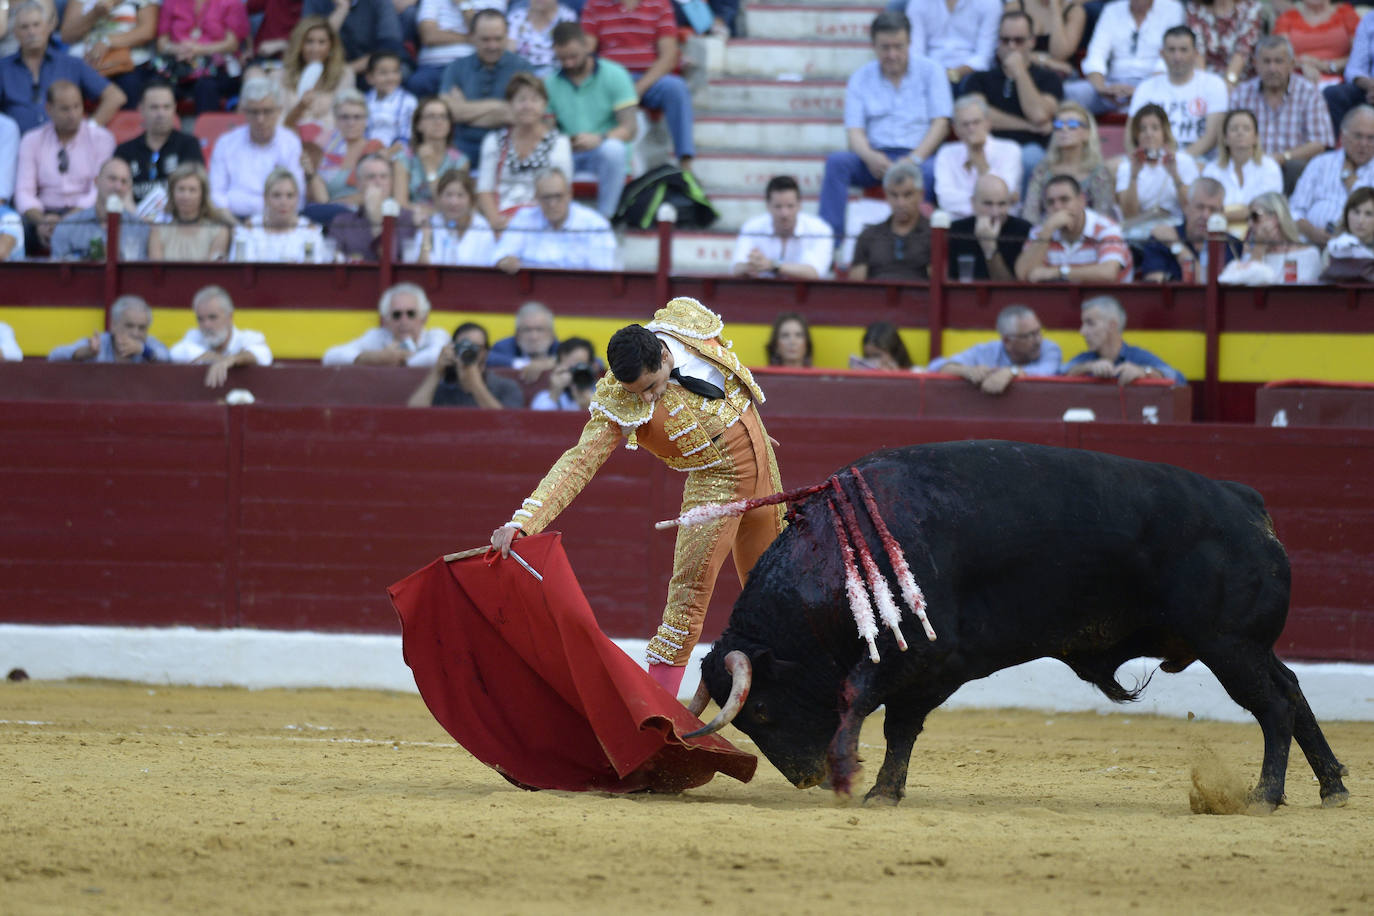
(519, 673)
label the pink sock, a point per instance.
(669, 677)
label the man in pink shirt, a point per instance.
(58, 162)
(641, 36)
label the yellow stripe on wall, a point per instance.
(1251, 357)
(305, 335)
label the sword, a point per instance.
(477, 551)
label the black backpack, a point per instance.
(639, 202)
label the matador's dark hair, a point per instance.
(633, 350)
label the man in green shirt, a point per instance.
(595, 103)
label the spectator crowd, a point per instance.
(469, 122)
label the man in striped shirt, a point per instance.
(641, 36)
(1073, 244)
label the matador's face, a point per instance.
(650, 386)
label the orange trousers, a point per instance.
(748, 470)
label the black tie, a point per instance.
(696, 385)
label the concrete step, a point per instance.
(740, 173)
(761, 134)
(823, 22)
(810, 99)
(805, 59)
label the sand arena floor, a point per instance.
(120, 798)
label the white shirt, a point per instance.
(192, 347)
(1320, 195)
(1260, 177)
(240, 167)
(1344, 245)
(1154, 186)
(1110, 50)
(448, 15)
(423, 353)
(1188, 106)
(473, 248)
(965, 36)
(955, 178)
(585, 241)
(303, 245)
(812, 242)
(9, 347)
(12, 225)
(512, 188)
(389, 119)
(687, 362)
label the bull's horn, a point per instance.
(741, 677)
(699, 699)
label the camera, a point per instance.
(467, 352)
(583, 377)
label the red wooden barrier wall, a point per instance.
(290, 517)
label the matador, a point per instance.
(677, 389)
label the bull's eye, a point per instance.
(759, 711)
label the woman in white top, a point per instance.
(1349, 255)
(280, 234)
(313, 75)
(1152, 182)
(1274, 253)
(513, 156)
(456, 234)
(1241, 166)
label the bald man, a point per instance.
(991, 236)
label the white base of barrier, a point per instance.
(277, 658)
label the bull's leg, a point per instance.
(904, 718)
(843, 757)
(1245, 671)
(1313, 743)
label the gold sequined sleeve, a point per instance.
(568, 476)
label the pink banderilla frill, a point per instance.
(915, 598)
(877, 582)
(854, 588)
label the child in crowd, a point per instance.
(389, 107)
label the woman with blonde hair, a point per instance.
(280, 234)
(196, 230)
(314, 75)
(1074, 150)
(1241, 166)
(1152, 181)
(1275, 253)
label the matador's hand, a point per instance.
(502, 538)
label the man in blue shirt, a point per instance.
(1020, 350)
(474, 87)
(1179, 253)
(26, 75)
(896, 106)
(1111, 357)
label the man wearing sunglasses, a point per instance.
(1022, 97)
(402, 339)
(58, 163)
(1124, 50)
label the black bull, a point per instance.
(1023, 552)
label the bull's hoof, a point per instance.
(877, 799)
(1258, 807)
(1345, 770)
(1336, 799)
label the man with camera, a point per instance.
(459, 377)
(572, 380)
